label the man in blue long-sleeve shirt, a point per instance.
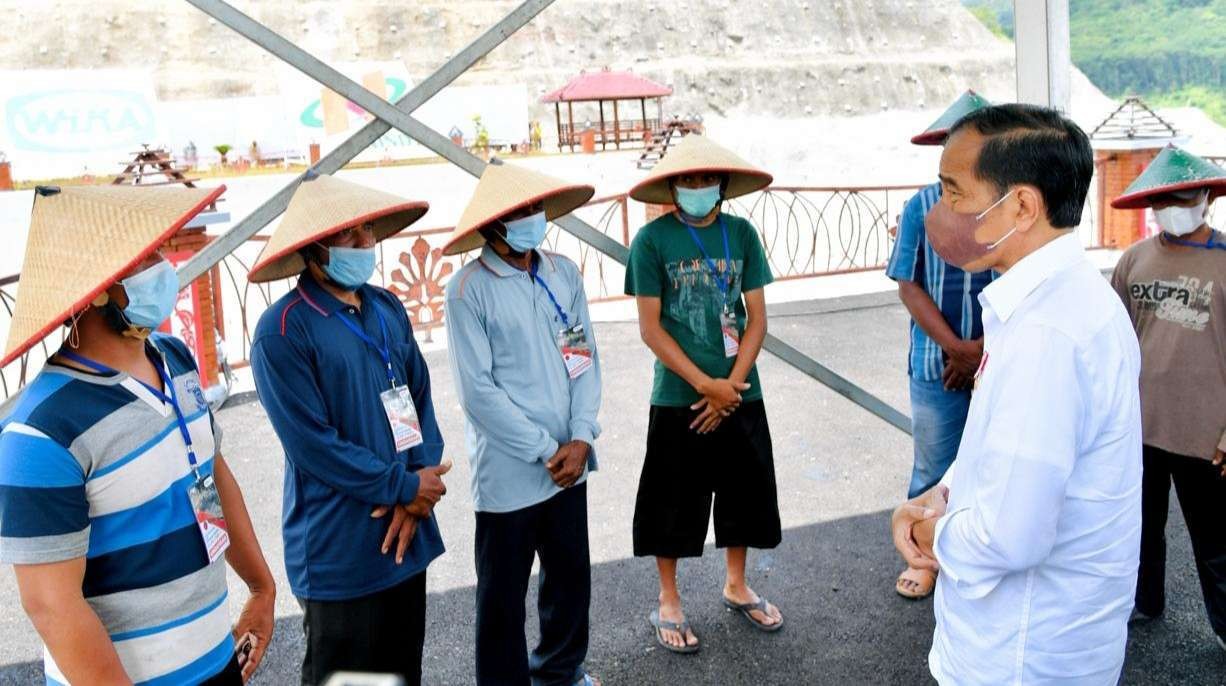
(348, 393)
(528, 377)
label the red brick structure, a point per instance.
(207, 292)
(1125, 143)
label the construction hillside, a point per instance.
(773, 58)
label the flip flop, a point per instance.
(922, 577)
(747, 608)
(682, 628)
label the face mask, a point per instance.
(350, 267)
(525, 234)
(152, 294)
(698, 202)
(952, 234)
(1181, 221)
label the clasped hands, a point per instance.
(962, 364)
(720, 398)
(405, 516)
(914, 527)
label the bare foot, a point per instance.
(670, 611)
(742, 595)
(915, 583)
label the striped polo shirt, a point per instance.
(955, 292)
(94, 465)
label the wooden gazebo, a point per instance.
(600, 87)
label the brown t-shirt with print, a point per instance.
(1176, 297)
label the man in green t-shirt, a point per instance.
(698, 276)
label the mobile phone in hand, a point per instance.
(242, 649)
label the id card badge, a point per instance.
(402, 417)
(576, 351)
(732, 336)
(212, 523)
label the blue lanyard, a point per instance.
(172, 399)
(1208, 245)
(383, 350)
(724, 283)
(561, 313)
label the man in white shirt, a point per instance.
(1036, 528)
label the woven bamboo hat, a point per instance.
(1174, 169)
(696, 154)
(82, 239)
(505, 188)
(938, 131)
(324, 205)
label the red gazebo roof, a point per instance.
(607, 85)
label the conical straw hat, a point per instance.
(938, 131)
(1174, 169)
(323, 205)
(696, 154)
(505, 188)
(82, 239)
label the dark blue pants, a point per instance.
(506, 544)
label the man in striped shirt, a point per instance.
(946, 336)
(111, 485)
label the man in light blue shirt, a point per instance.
(528, 378)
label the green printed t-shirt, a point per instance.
(666, 263)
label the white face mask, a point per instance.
(1181, 221)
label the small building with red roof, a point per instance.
(608, 86)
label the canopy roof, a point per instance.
(1134, 121)
(607, 85)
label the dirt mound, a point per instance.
(784, 58)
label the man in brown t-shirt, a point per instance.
(1174, 286)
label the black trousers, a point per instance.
(1202, 495)
(684, 472)
(506, 543)
(382, 632)
(232, 675)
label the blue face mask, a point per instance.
(152, 294)
(527, 233)
(698, 202)
(350, 267)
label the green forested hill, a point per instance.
(1173, 52)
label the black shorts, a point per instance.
(683, 470)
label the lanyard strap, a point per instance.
(1208, 245)
(535, 277)
(724, 283)
(172, 399)
(383, 350)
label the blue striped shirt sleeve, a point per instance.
(44, 512)
(905, 259)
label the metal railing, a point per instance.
(805, 231)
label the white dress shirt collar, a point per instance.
(1011, 288)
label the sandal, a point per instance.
(682, 628)
(747, 609)
(587, 680)
(923, 579)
